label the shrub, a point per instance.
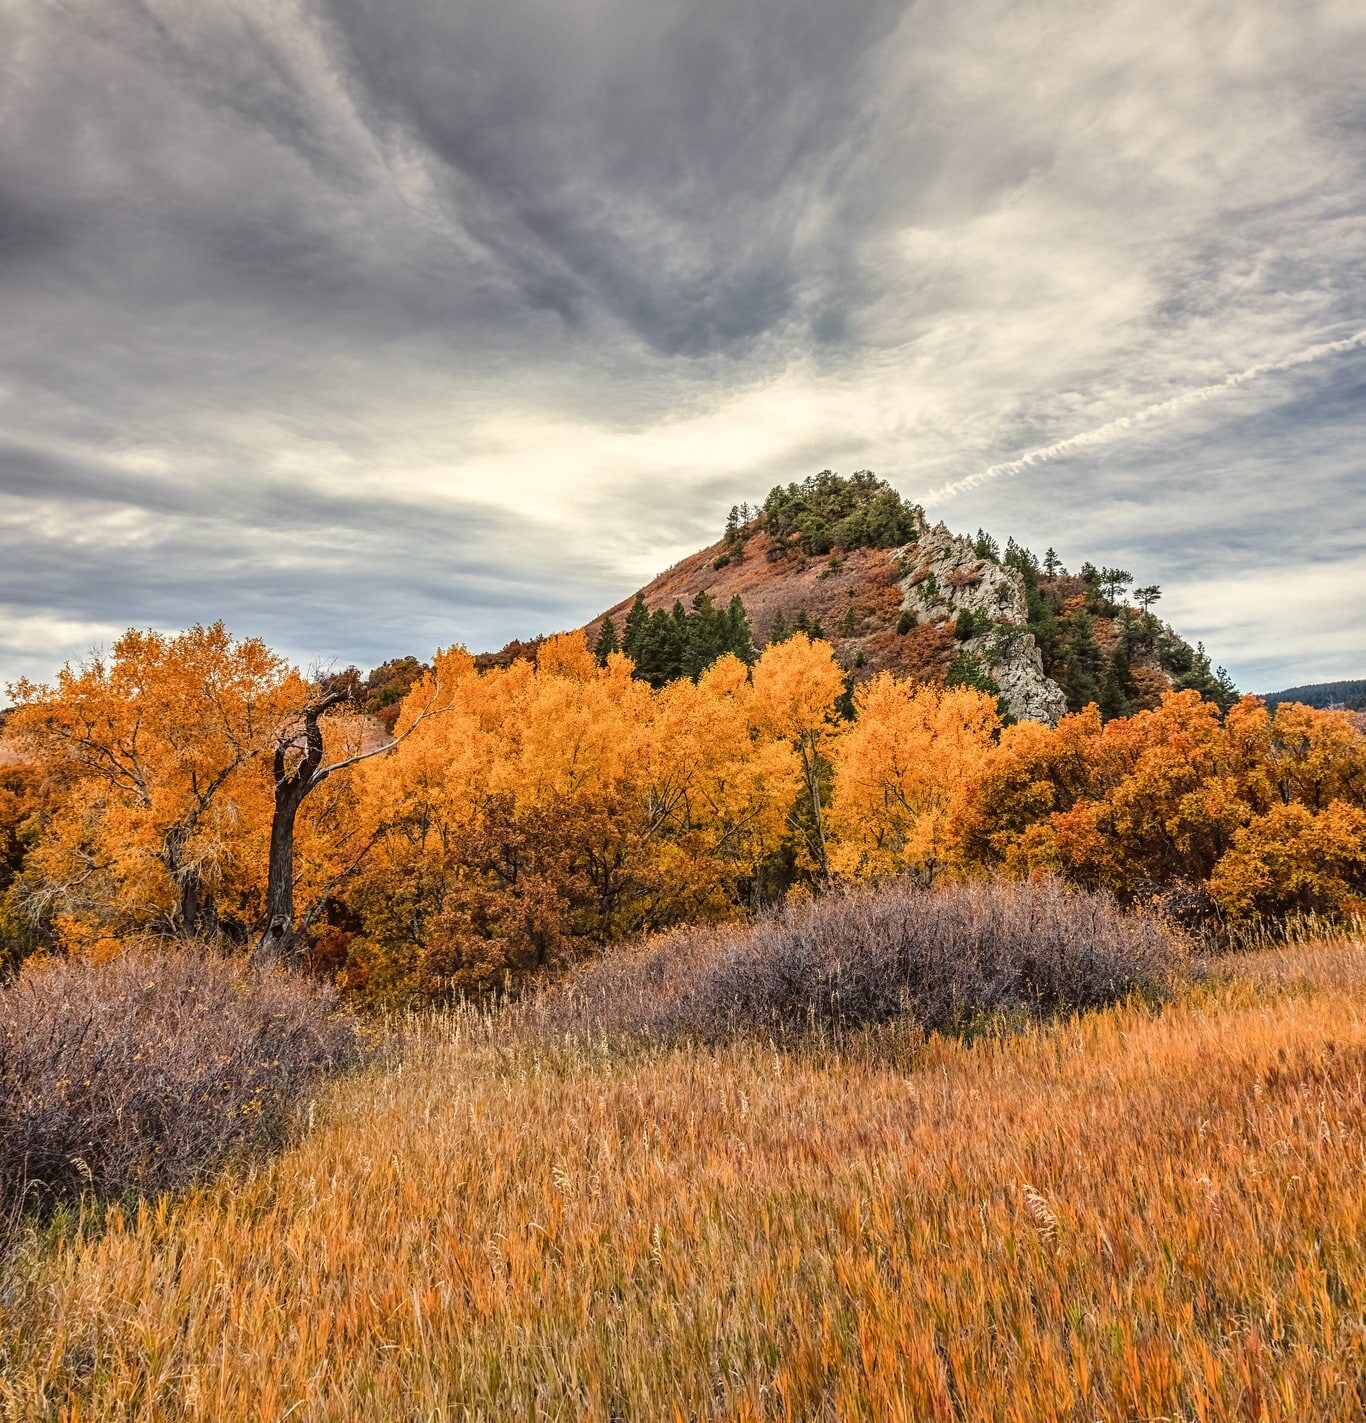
(940, 958)
(140, 1073)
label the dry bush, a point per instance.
(137, 1074)
(941, 958)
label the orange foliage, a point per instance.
(1266, 813)
(155, 785)
(532, 813)
(560, 806)
(903, 772)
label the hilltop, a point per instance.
(849, 559)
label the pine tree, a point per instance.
(779, 631)
(633, 634)
(739, 635)
(1022, 560)
(1145, 597)
(704, 636)
(1116, 689)
(607, 642)
(1115, 581)
(662, 647)
(1081, 662)
(1052, 564)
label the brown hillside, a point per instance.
(854, 595)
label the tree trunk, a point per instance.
(279, 942)
(813, 787)
(186, 880)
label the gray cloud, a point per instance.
(370, 326)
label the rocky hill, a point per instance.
(850, 560)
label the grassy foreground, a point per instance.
(1137, 1214)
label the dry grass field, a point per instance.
(1151, 1213)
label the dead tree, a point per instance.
(299, 771)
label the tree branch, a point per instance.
(431, 709)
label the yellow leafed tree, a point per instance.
(904, 774)
(797, 684)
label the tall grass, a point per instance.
(1138, 1213)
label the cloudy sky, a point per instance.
(369, 325)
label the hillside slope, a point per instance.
(920, 601)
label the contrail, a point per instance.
(1105, 434)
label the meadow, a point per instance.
(1154, 1210)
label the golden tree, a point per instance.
(149, 764)
(796, 686)
(904, 774)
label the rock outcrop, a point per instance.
(948, 578)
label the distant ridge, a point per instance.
(1350, 694)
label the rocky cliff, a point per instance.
(949, 581)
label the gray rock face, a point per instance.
(946, 577)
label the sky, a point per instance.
(372, 327)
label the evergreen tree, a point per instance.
(1117, 688)
(661, 648)
(1095, 600)
(633, 633)
(704, 636)
(1145, 597)
(1042, 621)
(1213, 686)
(1020, 558)
(844, 703)
(1081, 662)
(986, 546)
(1130, 630)
(685, 642)
(828, 511)
(779, 631)
(739, 635)
(967, 670)
(1052, 564)
(1114, 581)
(607, 642)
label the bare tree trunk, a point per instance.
(280, 940)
